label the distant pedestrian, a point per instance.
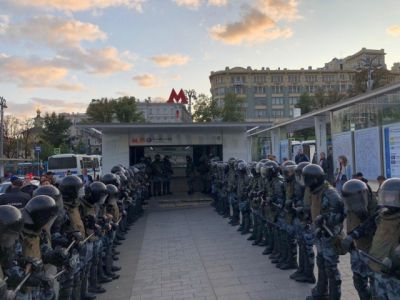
(86, 178)
(381, 179)
(156, 174)
(301, 157)
(14, 196)
(323, 162)
(330, 168)
(343, 172)
(190, 172)
(167, 174)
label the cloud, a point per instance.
(28, 108)
(77, 5)
(192, 4)
(167, 60)
(280, 9)
(254, 27)
(393, 30)
(55, 32)
(217, 2)
(4, 23)
(146, 80)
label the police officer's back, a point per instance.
(14, 196)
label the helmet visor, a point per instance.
(389, 198)
(357, 203)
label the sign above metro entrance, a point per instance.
(177, 98)
(175, 139)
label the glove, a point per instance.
(11, 295)
(347, 243)
(319, 221)
(58, 239)
(15, 276)
(36, 264)
(90, 222)
(299, 209)
(60, 256)
(76, 235)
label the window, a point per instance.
(62, 163)
(328, 78)
(293, 89)
(239, 90)
(277, 101)
(311, 78)
(277, 113)
(277, 78)
(311, 89)
(293, 100)
(293, 78)
(260, 78)
(260, 113)
(259, 90)
(276, 89)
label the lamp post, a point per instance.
(3, 105)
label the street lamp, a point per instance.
(3, 105)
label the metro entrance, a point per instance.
(177, 155)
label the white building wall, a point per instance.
(115, 150)
(236, 144)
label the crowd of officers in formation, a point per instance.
(290, 208)
(62, 243)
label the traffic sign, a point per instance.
(57, 151)
(38, 149)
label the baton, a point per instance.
(70, 246)
(85, 240)
(328, 230)
(19, 286)
(374, 259)
(59, 274)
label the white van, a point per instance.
(61, 164)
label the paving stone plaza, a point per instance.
(190, 252)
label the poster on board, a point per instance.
(368, 149)
(342, 145)
(284, 153)
(391, 136)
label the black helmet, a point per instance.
(355, 196)
(110, 179)
(39, 211)
(69, 187)
(117, 169)
(288, 168)
(242, 166)
(11, 223)
(271, 168)
(52, 191)
(122, 178)
(389, 193)
(96, 192)
(314, 176)
(112, 190)
(298, 172)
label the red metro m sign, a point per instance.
(177, 98)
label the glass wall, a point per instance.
(376, 111)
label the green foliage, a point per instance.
(47, 149)
(124, 108)
(233, 108)
(55, 129)
(305, 103)
(380, 77)
(205, 109)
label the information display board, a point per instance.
(391, 135)
(368, 152)
(284, 152)
(342, 145)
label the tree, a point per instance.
(26, 133)
(126, 110)
(305, 103)
(55, 130)
(100, 111)
(11, 136)
(380, 77)
(232, 110)
(205, 109)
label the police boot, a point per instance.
(246, 228)
(308, 273)
(300, 270)
(319, 292)
(264, 236)
(102, 277)
(291, 258)
(84, 284)
(258, 234)
(361, 285)
(94, 286)
(275, 252)
(283, 249)
(76, 290)
(253, 235)
(334, 283)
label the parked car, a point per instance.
(4, 186)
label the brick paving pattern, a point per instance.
(194, 254)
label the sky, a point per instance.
(57, 55)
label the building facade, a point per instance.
(159, 112)
(271, 95)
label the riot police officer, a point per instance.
(38, 213)
(11, 223)
(359, 210)
(232, 182)
(327, 213)
(304, 233)
(241, 194)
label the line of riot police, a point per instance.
(291, 209)
(62, 244)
